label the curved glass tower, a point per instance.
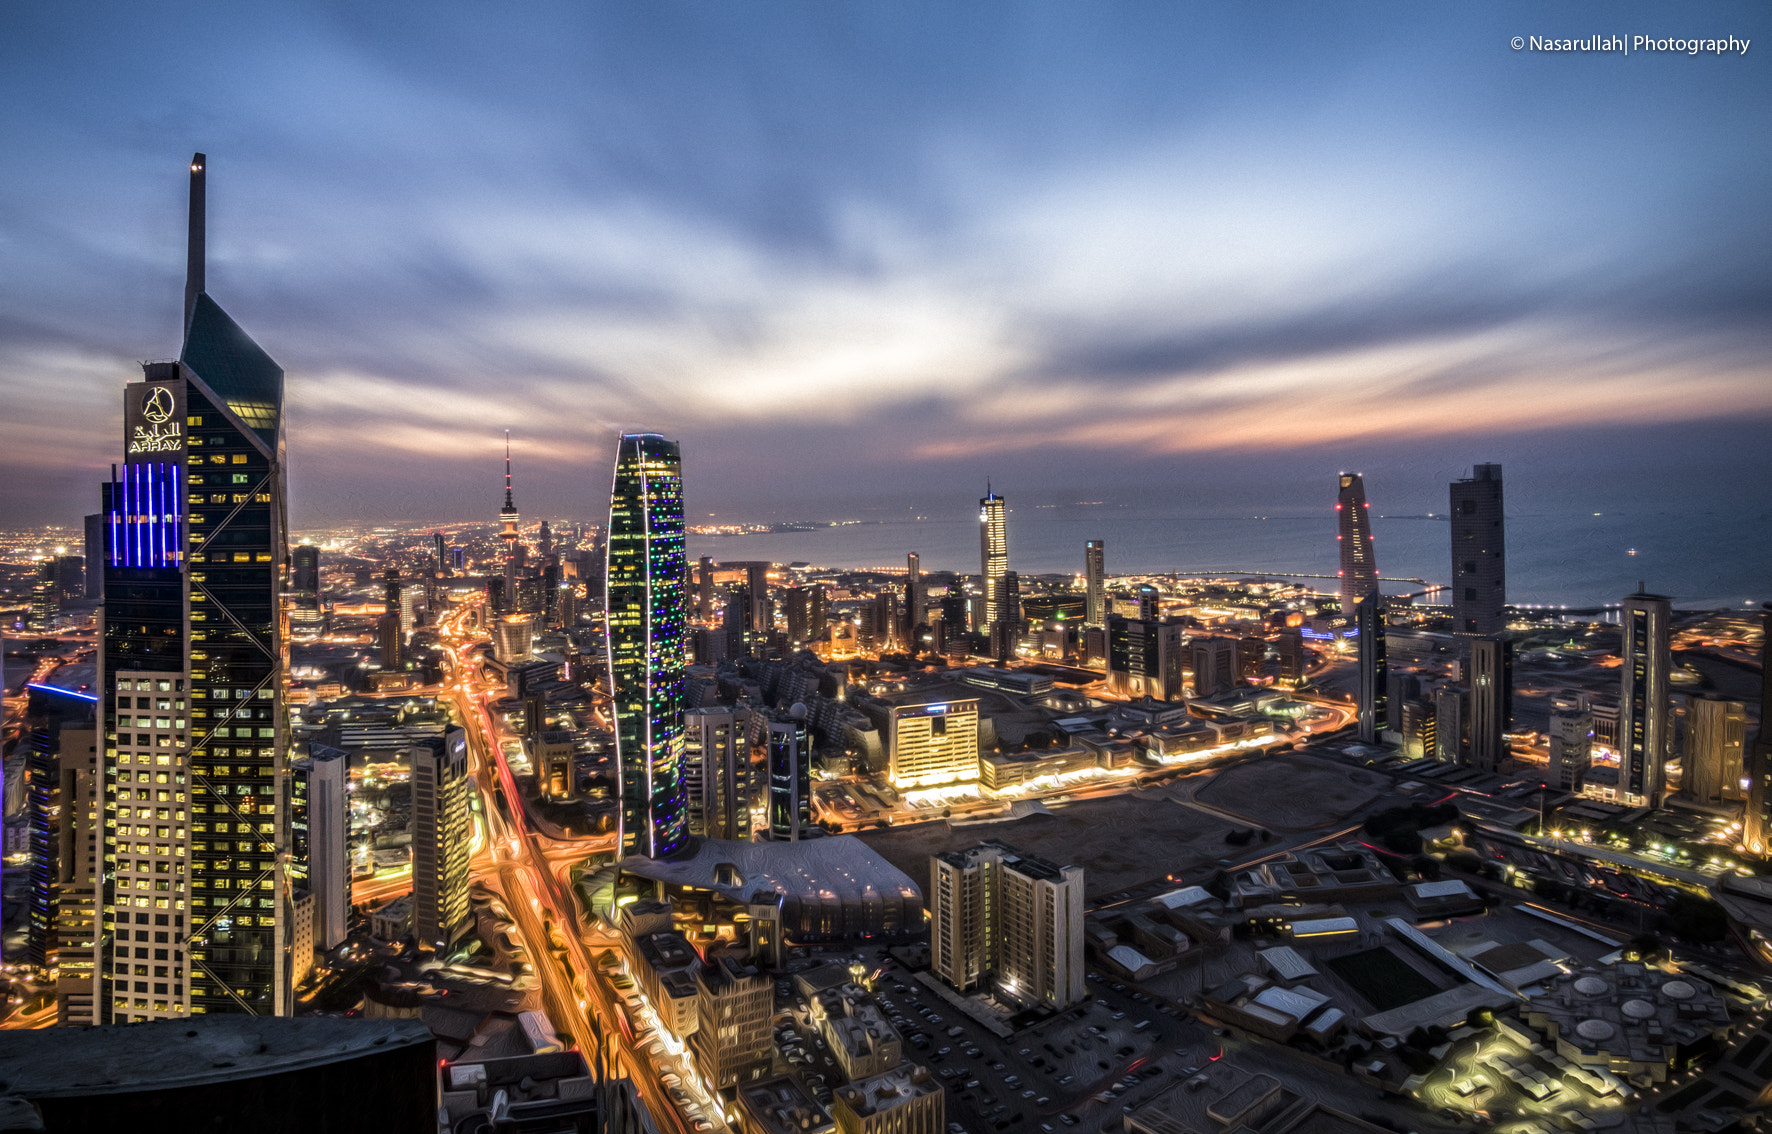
(1359, 566)
(647, 573)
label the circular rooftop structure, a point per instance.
(1678, 990)
(1637, 1009)
(1591, 986)
(1594, 1031)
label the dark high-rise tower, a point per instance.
(1374, 669)
(913, 599)
(1479, 554)
(194, 649)
(1095, 583)
(1644, 725)
(647, 573)
(1759, 756)
(1359, 565)
(1491, 700)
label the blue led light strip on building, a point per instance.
(146, 513)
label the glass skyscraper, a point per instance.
(993, 555)
(647, 576)
(195, 907)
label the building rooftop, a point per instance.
(888, 1090)
(783, 1106)
(839, 865)
(165, 1054)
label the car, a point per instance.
(1066, 1079)
(972, 1084)
(1042, 1100)
(1119, 1015)
(1028, 1094)
(943, 1051)
(1068, 1119)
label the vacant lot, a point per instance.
(1292, 792)
(1117, 842)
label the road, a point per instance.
(530, 870)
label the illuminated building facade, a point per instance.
(933, 743)
(993, 553)
(1095, 583)
(647, 574)
(995, 910)
(442, 835)
(1643, 703)
(1359, 566)
(194, 905)
(1479, 553)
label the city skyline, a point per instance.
(1303, 268)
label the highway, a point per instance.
(529, 871)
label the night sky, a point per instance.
(859, 256)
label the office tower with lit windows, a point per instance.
(704, 603)
(717, 771)
(57, 725)
(319, 840)
(1095, 583)
(1570, 738)
(193, 656)
(1644, 726)
(1292, 658)
(1145, 658)
(646, 575)
(993, 554)
(1359, 565)
(1491, 700)
(1374, 703)
(439, 556)
(1758, 772)
(442, 834)
(1251, 659)
(1479, 553)
(790, 777)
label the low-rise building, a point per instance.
(1631, 1020)
(861, 1040)
(781, 1105)
(733, 1042)
(667, 968)
(905, 1100)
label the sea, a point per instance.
(1703, 560)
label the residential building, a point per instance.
(442, 832)
(1095, 582)
(1374, 702)
(790, 777)
(995, 911)
(319, 840)
(717, 771)
(905, 1100)
(993, 551)
(1571, 741)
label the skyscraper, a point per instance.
(1095, 583)
(913, 599)
(790, 777)
(319, 838)
(1479, 553)
(717, 771)
(1643, 721)
(1711, 762)
(1570, 736)
(993, 553)
(646, 575)
(193, 656)
(304, 579)
(442, 833)
(1491, 701)
(704, 606)
(1759, 756)
(1359, 565)
(1374, 669)
(996, 910)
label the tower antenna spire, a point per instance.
(194, 253)
(510, 505)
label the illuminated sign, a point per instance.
(153, 419)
